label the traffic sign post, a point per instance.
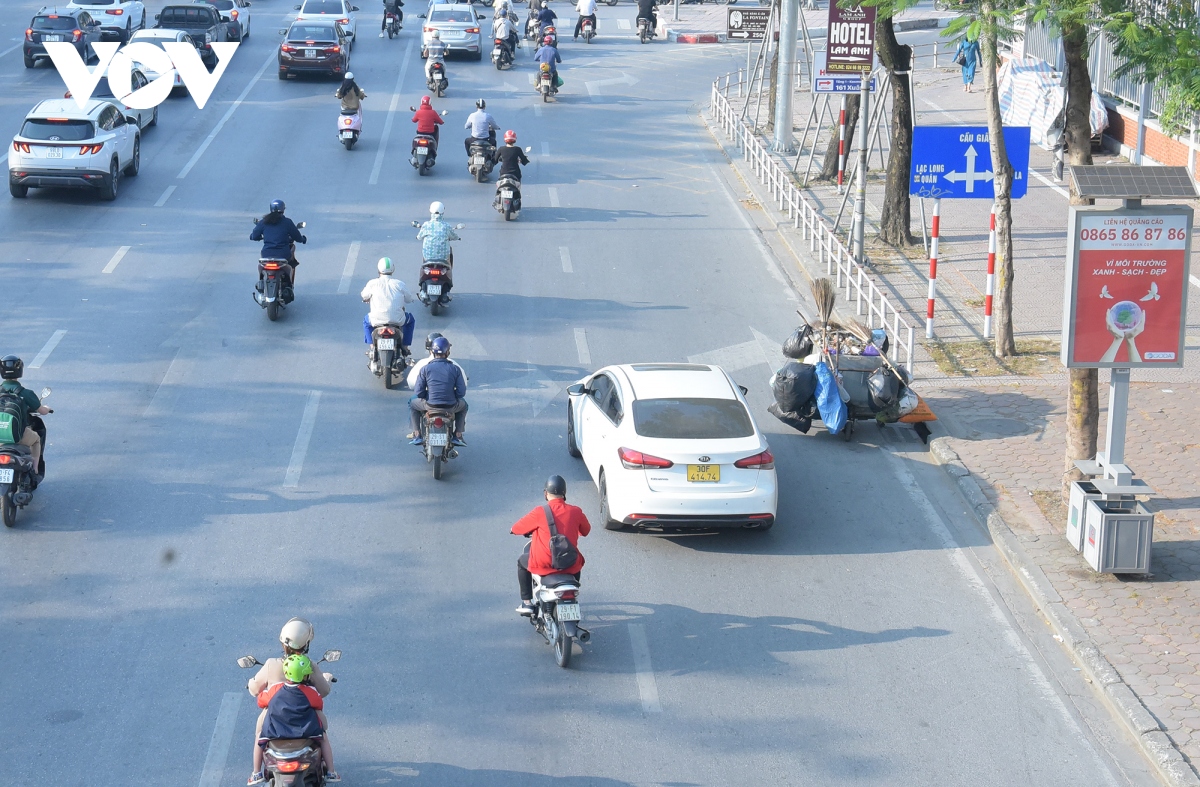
(747, 24)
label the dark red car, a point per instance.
(314, 47)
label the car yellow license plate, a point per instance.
(704, 473)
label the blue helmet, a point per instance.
(277, 206)
(440, 347)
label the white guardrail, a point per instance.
(851, 279)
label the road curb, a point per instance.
(1121, 699)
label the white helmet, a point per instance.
(297, 634)
(385, 266)
(349, 75)
(437, 33)
(436, 209)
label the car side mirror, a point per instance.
(245, 662)
(420, 16)
(156, 16)
(744, 390)
(459, 226)
(282, 32)
(45, 394)
(353, 8)
(332, 655)
(302, 225)
(131, 120)
(296, 8)
(578, 389)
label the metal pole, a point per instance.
(842, 143)
(924, 237)
(1136, 158)
(676, 10)
(860, 199)
(789, 29)
(933, 258)
(816, 140)
(991, 276)
(1118, 407)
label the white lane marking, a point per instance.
(553, 197)
(565, 254)
(623, 24)
(647, 688)
(537, 109)
(225, 119)
(391, 116)
(974, 580)
(936, 108)
(168, 387)
(1194, 280)
(348, 271)
(1050, 183)
(116, 259)
(41, 357)
(166, 195)
(581, 347)
(545, 148)
(218, 746)
(10, 49)
(300, 449)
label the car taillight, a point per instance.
(427, 29)
(78, 34)
(472, 30)
(286, 48)
(344, 21)
(271, 266)
(21, 147)
(636, 460)
(333, 49)
(29, 34)
(763, 461)
(89, 149)
(233, 14)
(116, 12)
(439, 423)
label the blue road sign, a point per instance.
(955, 162)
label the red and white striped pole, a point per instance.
(842, 143)
(991, 276)
(933, 257)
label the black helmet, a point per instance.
(11, 367)
(429, 340)
(481, 104)
(277, 206)
(440, 347)
(555, 485)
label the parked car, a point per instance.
(314, 47)
(62, 146)
(137, 79)
(119, 19)
(156, 37)
(672, 446)
(339, 11)
(236, 14)
(72, 25)
(459, 26)
(200, 21)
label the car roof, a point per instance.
(450, 6)
(676, 380)
(67, 108)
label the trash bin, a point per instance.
(1081, 493)
(1117, 536)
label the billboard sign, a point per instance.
(851, 39)
(747, 24)
(826, 82)
(1126, 290)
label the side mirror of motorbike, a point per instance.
(417, 224)
(45, 394)
(412, 109)
(302, 225)
(332, 656)
(578, 389)
(459, 226)
(445, 112)
(245, 662)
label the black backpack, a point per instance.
(563, 554)
(14, 416)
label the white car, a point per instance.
(236, 13)
(137, 80)
(157, 36)
(118, 19)
(62, 146)
(672, 446)
(458, 26)
(339, 10)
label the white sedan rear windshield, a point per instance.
(691, 419)
(98, 2)
(323, 7)
(445, 15)
(57, 130)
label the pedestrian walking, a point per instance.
(967, 56)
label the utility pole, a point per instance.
(860, 196)
(789, 31)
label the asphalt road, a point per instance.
(870, 637)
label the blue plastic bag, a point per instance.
(829, 402)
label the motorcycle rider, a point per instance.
(292, 710)
(504, 28)
(510, 157)
(435, 236)
(387, 297)
(435, 52)
(350, 94)
(391, 7)
(546, 17)
(569, 521)
(646, 11)
(11, 369)
(441, 386)
(483, 126)
(587, 10)
(277, 233)
(549, 54)
(428, 120)
(295, 637)
(421, 364)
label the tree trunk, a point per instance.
(1003, 173)
(829, 169)
(774, 66)
(895, 225)
(1083, 398)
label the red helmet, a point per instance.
(424, 101)
(510, 136)
(547, 40)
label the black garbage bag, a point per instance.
(800, 344)
(794, 385)
(794, 420)
(884, 388)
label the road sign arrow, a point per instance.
(970, 177)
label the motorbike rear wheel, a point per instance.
(508, 214)
(348, 142)
(273, 311)
(435, 306)
(480, 175)
(562, 645)
(424, 168)
(9, 509)
(386, 358)
(437, 467)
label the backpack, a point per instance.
(563, 554)
(14, 417)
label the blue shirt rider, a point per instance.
(440, 386)
(549, 54)
(277, 233)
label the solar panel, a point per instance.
(1127, 182)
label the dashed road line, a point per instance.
(647, 687)
(168, 387)
(565, 255)
(391, 116)
(218, 745)
(581, 347)
(166, 195)
(13, 48)
(291, 479)
(348, 271)
(1050, 183)
(48, 348)
(545, 149)
(183, 173)
(116, 259)
(623, 24)
(553, 197)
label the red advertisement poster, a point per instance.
(1128, 289)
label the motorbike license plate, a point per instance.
(6, 476)
(506, 194)
(53, 152)
(567, 612)
(347, 135)
(387, 344)
(704, 473)
(311, 54)
(433, 289)
(438, 439)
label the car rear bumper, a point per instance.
(671, 522)
(701, 509)
(58, 178)
(114, 33)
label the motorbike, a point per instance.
(17, 471)
(546, 84)
(436, 427)
(273, 290)
(393, 24)
(645, 29)
(588, 30)
(533, 25)
(291, 762)
(350, 126)
(424, 149)
(502, 56)
(389, 356)
(508, 195)
(556, 614)
(437, 279)
(437, 81)
(552, 34)
(479, 162)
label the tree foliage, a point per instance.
(1160, 44)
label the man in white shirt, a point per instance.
(421, 364)
(587, 10)
(387, 297)
(504, 29)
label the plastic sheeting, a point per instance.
(829, 401)
(1033, 94)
